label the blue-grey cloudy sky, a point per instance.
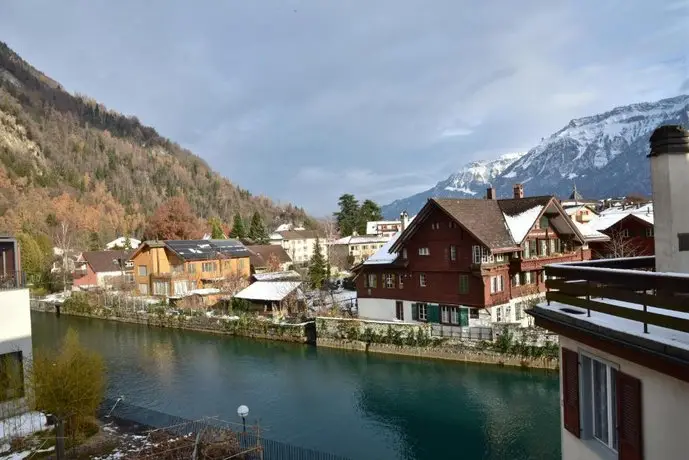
(304, 100)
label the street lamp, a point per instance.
(243, 412)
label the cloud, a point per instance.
(378, 98)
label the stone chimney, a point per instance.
(404, 220)
(669, 173)
(490, 193)
(518, 190)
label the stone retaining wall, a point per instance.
(441, 352)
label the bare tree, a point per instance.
(232, 283)
(621, 245)
(64, 243)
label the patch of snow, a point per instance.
(273, 291)
(520, 224)
(510, 175)
(22, 425)
(383, 255)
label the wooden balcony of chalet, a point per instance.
(625, 295)
(537, 263)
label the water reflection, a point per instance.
(353, 404)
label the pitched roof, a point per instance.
(289, 275)
(361, 239)
(261, 253)
(268, 290)
(498, 224)
(575, 195)
(105, 261)
(299, 234)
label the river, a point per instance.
(362, 406)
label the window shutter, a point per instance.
(415, 311)
(629, 427)
(570, 391)
(433, 313)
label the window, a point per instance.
(11, 376)
(422, 279)
(543, 248)
(515, 280)
(161, 288)
(518, 312)
(399, 310)
(552, 246)
(625, 232)
(400, 282)
(533, 248)
(496, 284)
(435, 225)
(543, 222)
(528, 279)
(178, 269)
(499, 257)
(453, 252)
(404, 253)
(143, 289)
(422, 312)
(473, 313)
(129, 264)
(452, 224)
(424, 252)
(209, 267)
(388, 280)
(482, 255)
(649, 232)
(371, 281)
(129, 278)
(240, 265)
(600, 393)
(143, 270)
(191, 268)
(445, 314)
(498, 314)
(508, 313)
(463, 284)
(454, 315)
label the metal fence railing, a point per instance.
(462, 333)
(247, 445)
(12, 280)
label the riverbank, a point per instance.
(403, 339)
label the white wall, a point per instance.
(15, 333)
(664, 409)
(384, 310)
(507, 315)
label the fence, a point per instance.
(181, 434)
(12, 280)
(462, 333)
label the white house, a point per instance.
(299, 244)
(624, 332)
(15, 329)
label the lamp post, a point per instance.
(243, 412)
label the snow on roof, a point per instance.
(589, 233)
(382, 255)
(520, 224)
(133, 242)
(611, 216)
(656, 333)
(268, 290)
(274, 276)
(362, 239)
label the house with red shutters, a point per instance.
(623, 326)
(469, 262)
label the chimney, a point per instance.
(490, 193)
(518, 190)
(404, 220)
(669, 171)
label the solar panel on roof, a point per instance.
(207, 249)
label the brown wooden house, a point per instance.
(469, 261)
(631, 233)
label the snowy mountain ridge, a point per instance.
(605, 154)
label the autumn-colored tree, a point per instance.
(173, 220)
(273, 264)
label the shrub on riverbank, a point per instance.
(69, 383)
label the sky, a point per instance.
(304, 100)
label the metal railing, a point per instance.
(462, 333)
(12, 280)
(625, 288)
(250, 444)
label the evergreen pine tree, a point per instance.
(317, 267)
(94, 242)
(238, 230)
(127, 243)
(257, 231)
(216, 229)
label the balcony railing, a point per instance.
(12, 280)
(626, 288)
(537, 263)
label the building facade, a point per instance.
(175, 267)
(631, 233)
(103, 269)
(15, 331)
(624, 332)
(469, 262)
(357, 248)
(300, 244)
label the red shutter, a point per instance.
(629, 427)
(570, 391)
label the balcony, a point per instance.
(12, 280)
(537, 263)
(625, 296)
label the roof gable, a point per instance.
(260, 254)
(105, 261)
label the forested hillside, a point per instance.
(65, 157)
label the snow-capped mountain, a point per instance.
(470, 182)
(605, 155)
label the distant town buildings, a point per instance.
(299, 244)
